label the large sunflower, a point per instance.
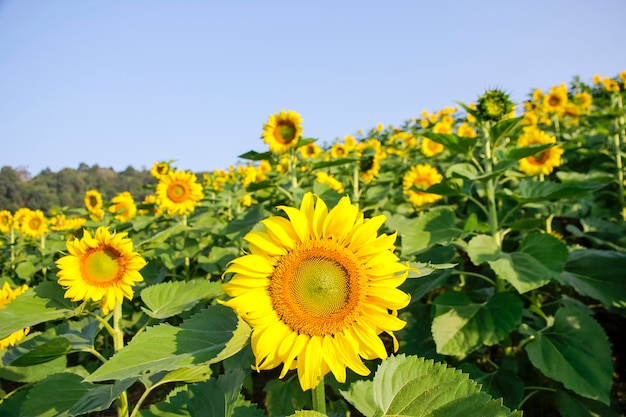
(179, 192)
(422, 176)
(318, 288)
(282, 131)
(6, 296)
(102, 267)
(542, 162)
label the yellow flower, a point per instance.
(622, 76)
(422, 176)
(61, 222)
(6, 296)
(369, 168)
(151, 199)
(338, 150)
(19, 216)
(537, 94)
(530, 118)
(380, 127)
(124, 207)
(349, 142)
(543, 162)
(282, 131)
(34, 224)
(329, 180)
(596, 79)
(97, 215)
(610, 84)
(102, 267)
(318, 288)
(583, 99)
(93, 200)
(556, 99)
(5, 221)
(310, 151)
(179, 193)
(159, 169)
(246, 200)
(466, 131)
(431, 148)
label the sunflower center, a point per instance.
(102, 265)
(318, 288)
(93, 201)
(34, 223)
(177, 192)
(285, 132)
(554, 101)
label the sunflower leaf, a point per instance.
(412, 386)
(55, 395)
(34, 306)
(534, 191)
(433, 227)
(518, 152)
(454, 143)
(461, 326)
(605, 284)
(168, 299)
(539, 258)
(207, 337)
(576, 352)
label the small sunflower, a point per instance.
(543, 162)
(6, 296)
(102, 267)
(556, 99)
(282, 131)
(318, 288)
(6, 219)
(93, 201)
(34, 224)
(123, 206)
(310, 151)
(19, 216)
(422, 176)
(330, 180)
(179, 192)
(338, 150)
(159, 169)
(431, 148)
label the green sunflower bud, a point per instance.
(494, 105)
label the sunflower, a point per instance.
(310, 151)
(179, 192)
(93, 201)
(282, 131)
(19, 216)
(422, 176)
(556, 99)
(318, 288)
(6, 296)
(124, 207)
(431, 148)
(102, 267)
(338, 150)
(330, 180)
(34, 224)
(542, 162)
(159, 169)
(5, 221)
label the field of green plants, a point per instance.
(468, 262)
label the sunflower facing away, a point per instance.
(422, 176)
(282, 131)
(179, 192)
(6, 296)
(102, 267)
(542, 162)
(123, 206)
(318, 288)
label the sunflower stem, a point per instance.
(319, 397)
(118, 344)
(356, 194)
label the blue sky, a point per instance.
(119, 83)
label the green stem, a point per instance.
(356, 193)
(118, 344)
(319, 397)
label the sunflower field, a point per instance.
(469, 262)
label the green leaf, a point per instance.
(207, 337)
(461, 326)
(518, 152)
(99, 397)
(456, 144)
(432, 227)
(171, 298)
(284, 397)
(55, 395)
(598, 274)
(26, 270)
(46, 352)
(307, 413)
(572, 405)
(503, 382)
(412, 386)
(533, 191)
(575, 352)
(256, 156)
(539, 258)
(30, 309)
(33, 373)
(504, 128)
(333, 162)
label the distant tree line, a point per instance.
(67, 187)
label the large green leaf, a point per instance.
(502, 382)
(50, 350)
(36, 305)
(171, 298)
(539, 258)
(207, 337)
(55, 395)
(284, 397)
(574, 351)
(33, 373)
(412, 386)
(534, 191)
(572, 405)
(598, 274)
(515, 153)
(461, 326)
(505, 128)
(432, 227)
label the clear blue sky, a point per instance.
(120, 83)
